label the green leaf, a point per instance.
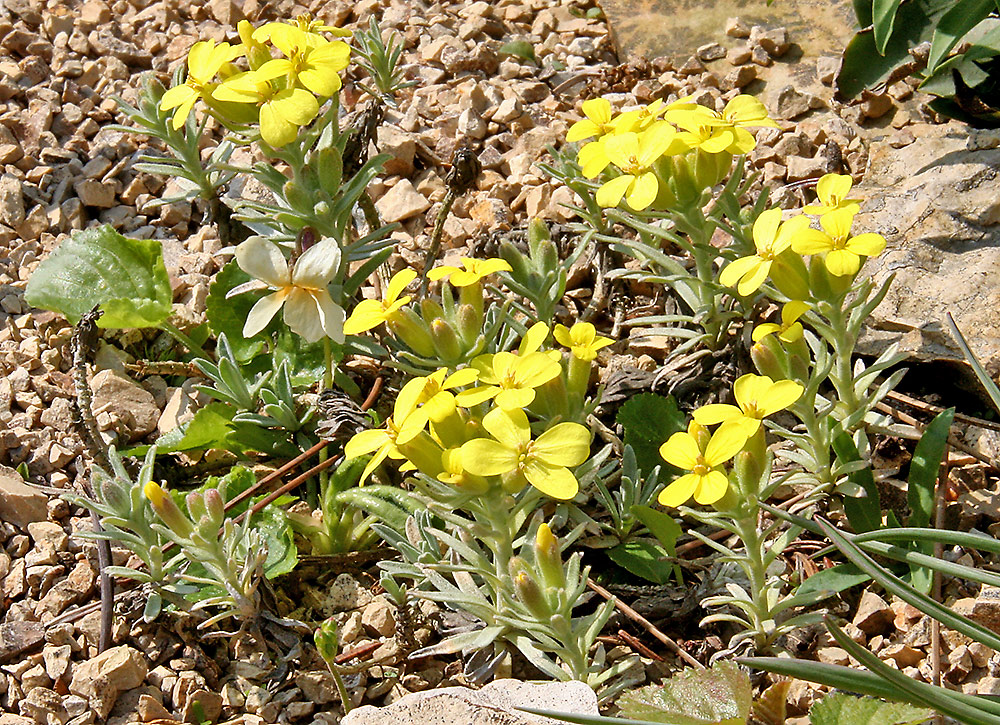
(648, 420)
(864, 513)
(924, 468)
(884, 17)
(834, 580)
(229, 316)
(519, 48)
(282, 554)
(984, 378)
(952, 27)
(660, 524)
(839, 708)
(864, 66)
(126, 277)
(306, 363)
(644, 558)
(210, 428)
(717, 696)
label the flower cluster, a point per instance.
(704, 455)
(778, 242)
(634, 144)
(280, 93)
(470, 427)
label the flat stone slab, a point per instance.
(674, 28)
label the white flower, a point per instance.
(310, 312)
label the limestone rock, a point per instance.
(378, 618)
(874, 616)
(16, 638)
(935, 202)
(125, 402)
(20, 504)
(401, 202)
(492, 705)
(101, 679)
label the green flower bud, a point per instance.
(512, 256)
(527, 590)
(538, 233)
(710, 169)
(819, 279)
(770, 359)
(327, 640)
(329, 169)
(750, 464)
(548, 559)
(446, 342)
(195, 505)
(470, 321)
(790, 276)
(406, 325)
(548, 257)
(430, 310)
(110, 492)
(214, 506)
(297, 196)
(321, 209)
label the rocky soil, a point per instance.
(65, 168)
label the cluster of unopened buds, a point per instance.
(281, 93)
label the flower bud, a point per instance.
(789, 274)
(446, 342)
(538, 234)
(215, 507)
(512, 256)
(682, 182)
(406, 325)
(548, 559)
(327, 640)
(321, 209)
(470, 319)
(819, 278)
(195, 505)
(750, 464)
(527, 590)
(111, 493)
(168, 511)
(297, 196)
(430, 310)
(770, 359)
(710, 169)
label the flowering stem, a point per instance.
(184, 339)
(312, 491)
(745, 527)
(843, 345)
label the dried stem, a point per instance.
(84, 340)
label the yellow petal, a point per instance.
(812, 241)
(765, 229)
(711, 488)
(554, 481)
(842, 262)
(611, 193)
(678, 492)
(726, 442)
(681, 450)
(365, 442)
(643, 192)
(565, 444)
(715, 413)
(868, 245)
(510, 427)
(779, 396)
(484, 457)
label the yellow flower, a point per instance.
(706, 480)
(304, 24)
(310, 60)
(433, 396)
(596, 123)
(715, 132)
(204, 61)
(282, 111)
(832, 190)
(790, 328)
(309, 311)
(757, 396)
(544, 463)
(471, 271)
(634, 153)
(771, 238)
(381, 441)
(581, 339)
(372, 313)
(843, 252)
(510, 378)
